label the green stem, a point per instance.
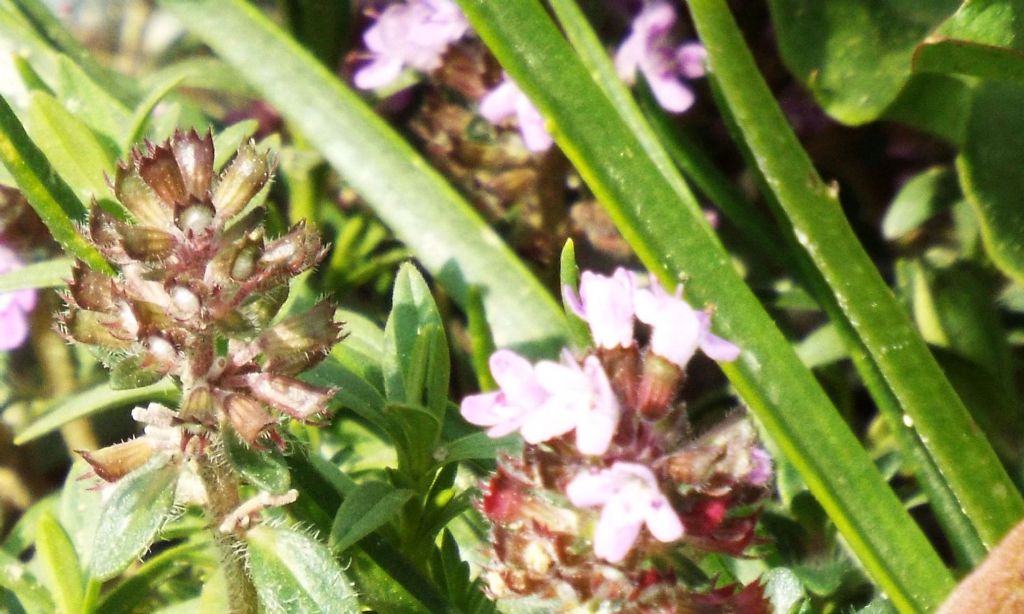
(222, 485)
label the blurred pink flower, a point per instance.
(677, 328)
(14, 306)
(629, 498)
(580, 399)
(518, 396)
(606, 303)
(414, 34)
(506, 100)
(648, 49)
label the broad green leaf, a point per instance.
(264, 469)
(132, 517)
(354, 392)
(52, 199)
(95, 400)
(296, 574)
(476, 446)
(923, 196)
(146, 580)
(47, 274)
(935, 103)
(31, 595)
(982, 39)
(369, 507)
(75, 152)
(128, 373)
(452, 574)
(60, 565)
(459, 250)
(90, 102)
(965, 459)
(415, 350)
(989, 165)
(672, 239)
(854, 56)
(79, 508)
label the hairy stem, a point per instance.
(221, 485)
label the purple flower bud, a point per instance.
(14, 306)
(648, 49)
(414, 34)
(506, 100)
(629, 498)
(677, 328)
(606, 303)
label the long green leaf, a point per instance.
(962, 454)
(424, 211)
(52, 199)
(93, 401)
(672, 240)
(47, 274)
(63, 571)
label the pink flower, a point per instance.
(506, 100)
(629, 498)
(14, 306)
(414, 34)
(519, 396)
(580, 399)
(606, 303)
(677, 328)
(647, 49)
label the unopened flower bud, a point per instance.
(184, 302)
(244, 265)
(245, 177)
(194, 155)
(114, 462)
(162, 354)
(139, 198)
(659, 385)
(288, 395)
(198, 406)
(160, 171)
(248, 417)
(299, 342)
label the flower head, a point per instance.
(677, 328)
(606, 303)
(630, 498)
(648, 49)
(14, 306)
(414, 34)
(506, 100)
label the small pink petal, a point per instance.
(572, 301)
(662, 520)
(548, 423)
(692, 58)
(672, 95)
(615, 533)
(26, 299)
(378, 73)
(590, 489)
(500, 103)
(479, 409)
(719, 349)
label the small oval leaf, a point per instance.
(296, 574)
(132, 517)
(265, 470)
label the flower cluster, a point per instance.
(611, 460)
(413, 34)
(198, 286)
(648, 50)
